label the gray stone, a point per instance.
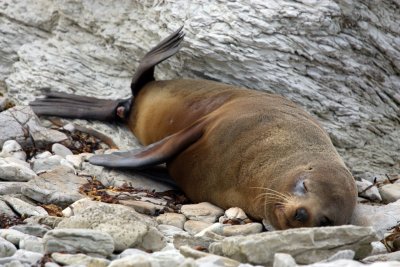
(7, 248)
(204, 211)
(372, 193)
(193, 227)
(87, 241)
(390, 192)
(23, 208)
(128, 228)
(245, 229)
(174, 219)
(79, 259)
(51, 221)
(204, 240)
(11, 148)
(61, 150)
(24, 127)
(6, 211)
(24, 257)
(306, 245)
(12, 236)
(44, 164)
(32, 229)
(381, 217)
(32, 243)
(12, 171)
(59, 187)
(144, 207)
(7, 188)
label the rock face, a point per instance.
(338, 59)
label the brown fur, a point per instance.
(255, 149)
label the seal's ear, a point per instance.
(153, 154)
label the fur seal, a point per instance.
(223, 144)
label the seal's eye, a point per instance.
(301, 215)
(325, 221)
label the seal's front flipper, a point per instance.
(154, 154)
(80, 107)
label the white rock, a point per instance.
(91, 242)
(43, 155)
(284, 260)
(78, 259)
(32, 243)
(61, 150)
(193, 227)
(24, 257)
(236, 214)
(68, 164)
(132, 252)
(174, 219)
(204, 211)
(378, 248)
(158, 259)
(11, 148)
(169, 231)
(12, 171)
(12, 236)
(390, 192)
(46, 164)
(372, 193)
(7, 248)
(75, 160)
(69, 127)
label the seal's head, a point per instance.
(314, 195)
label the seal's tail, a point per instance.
(83, 107)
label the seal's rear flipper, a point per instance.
(154, 154)
(83, 107)
(165, 49)
(79, 107)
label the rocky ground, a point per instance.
(340, 60)
(57, 209)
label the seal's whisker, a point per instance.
(274, 191)
(272, 196)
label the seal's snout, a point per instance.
(301, 215)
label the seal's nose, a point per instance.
(301, 215)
